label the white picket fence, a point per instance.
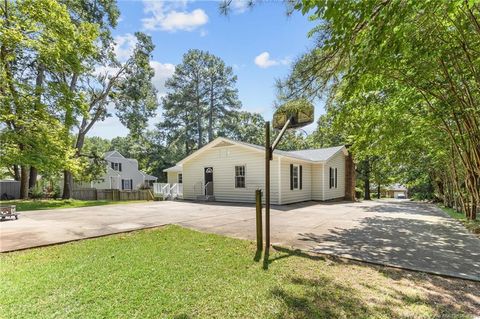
(168, 191)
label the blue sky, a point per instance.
(259, 44)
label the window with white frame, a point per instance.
(127, 184)
(333, 177)
(240, 176)
(116, 166)
(180, 178)
(295, 176)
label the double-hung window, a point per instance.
(240, 176)
(127, 184)
(333, 177)
(295, 176)
(116, 166)
(180, 178)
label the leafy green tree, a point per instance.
(38, 38)
(246, 127)
(107, 81)
(405, 75)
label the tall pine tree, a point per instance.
(201, 98)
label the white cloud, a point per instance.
(172, 16)
(105, 70)
(124, 46)
(240, 6)
(263, 60)
(162, 72)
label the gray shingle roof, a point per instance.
(315, 155)
(320, 154)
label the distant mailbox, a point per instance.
(301, 111)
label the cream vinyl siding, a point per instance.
(317, 181)
(223, 159)
(172, 177)
(297, 195)
(337, 161)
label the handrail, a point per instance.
(206, 185)
(205, 191)
(166, 191)
(174, 190)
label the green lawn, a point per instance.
(23, 205)
(174, 272)
(471, 225)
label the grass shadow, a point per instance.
(320, 298)
(325, 298)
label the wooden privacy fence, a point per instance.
(111, 194)
(10, 188)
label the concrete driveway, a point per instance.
(395, 233)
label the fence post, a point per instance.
(258, 201)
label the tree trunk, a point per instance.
(210, 117)
(16, 172)
(23, 182)
(367, 180)
(200, 133)
(67, 185)
(67, 175)
(378, 192)
(32, 181)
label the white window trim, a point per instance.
(178, 178)
(333, 181)
(235, 176)
(130, 182)
(298, 177)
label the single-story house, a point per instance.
(231, 171)
(121, 173)
(397, 191)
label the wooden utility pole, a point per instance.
(258, 201)
(268, 156)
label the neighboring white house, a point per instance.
(227, 170)
(397, 191)
(122, 173)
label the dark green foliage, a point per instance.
(402, 85)
(202, 97)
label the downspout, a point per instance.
(279, 181)
(323, 181)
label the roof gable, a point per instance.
(113, 154)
